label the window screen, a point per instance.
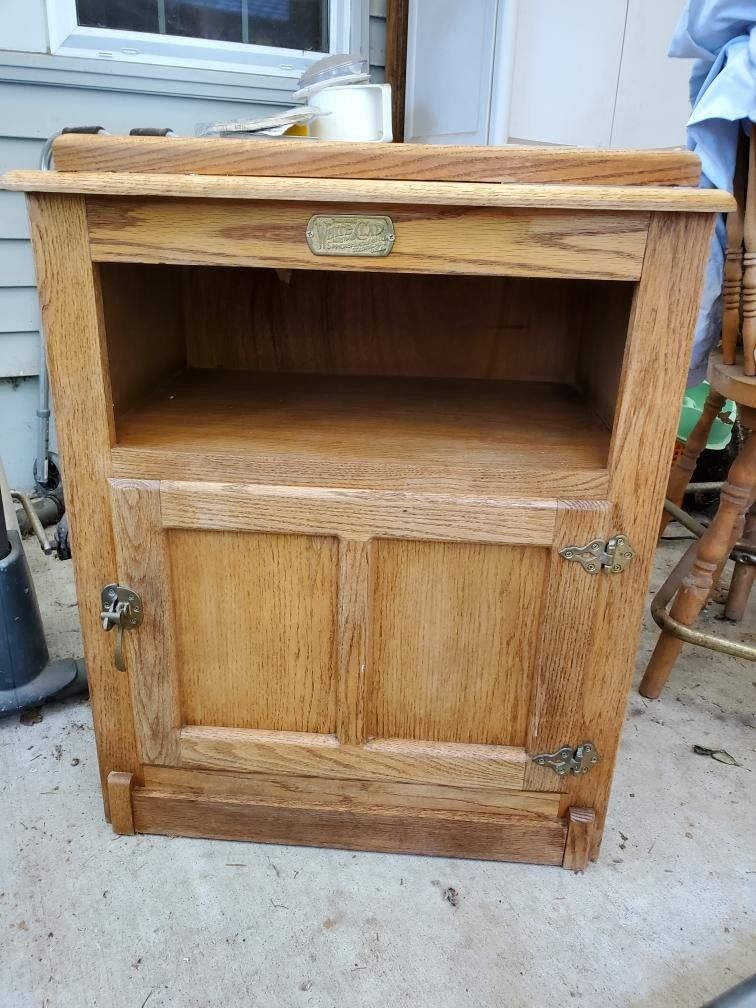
(288, 24)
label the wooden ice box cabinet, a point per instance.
(364, 450)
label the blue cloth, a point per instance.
(720, 35)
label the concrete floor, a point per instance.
(667, 917)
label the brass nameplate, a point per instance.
(350, 235)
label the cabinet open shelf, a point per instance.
(456, 384)
(355, 430)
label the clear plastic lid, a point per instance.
(341, 68)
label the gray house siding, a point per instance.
(39, 94)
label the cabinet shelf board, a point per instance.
(443, 435)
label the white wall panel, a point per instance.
(450, 49)
(23, 25)
(652, 95)
(567, 63)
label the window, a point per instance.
(273, 37)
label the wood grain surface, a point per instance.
(454, 638)
(730, 381)
(412, 162)
(151, 650)
(455, 834)
(356, 515)
(255, 624)
(348, 191)
(659, 340)
(313, 755)
(429, 239)
(581, 826)
(468, 438)
(397, 21)
(352, 647)
(565, 642)
(333, 792)
(119, 787)
(422, 326)
(748, 329)
(82, 397)
(135, 360)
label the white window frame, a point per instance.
(69, 38)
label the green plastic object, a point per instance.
(692, 407)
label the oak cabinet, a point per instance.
(370, 526)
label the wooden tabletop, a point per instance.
(322, 171)
(548, 196)
(401, 162)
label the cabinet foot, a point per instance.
(119, 796)
(581, 824)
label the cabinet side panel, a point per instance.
(453, 640)
(81, 394)
(144, 333)
(255, 624)
(659, 338)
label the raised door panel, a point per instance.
(255, 617)
(454, 639)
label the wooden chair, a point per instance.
(732, 375)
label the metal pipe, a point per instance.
(742, 552)
(685, 633)
(684, 518)
(711, 487)
(33, 518)
(49, 509)
(42, 461)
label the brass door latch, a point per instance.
(121, 608)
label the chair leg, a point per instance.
(721, 588)
(743, 575)
(713, 548)
(683, 469)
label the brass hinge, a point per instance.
(567, 760)
(611, 555)
(121, 608)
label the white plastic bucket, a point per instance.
(353, 112)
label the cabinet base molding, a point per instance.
(400, 831)
(523, 837)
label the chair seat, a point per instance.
(729, 381)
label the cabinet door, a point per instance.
(358, 651)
